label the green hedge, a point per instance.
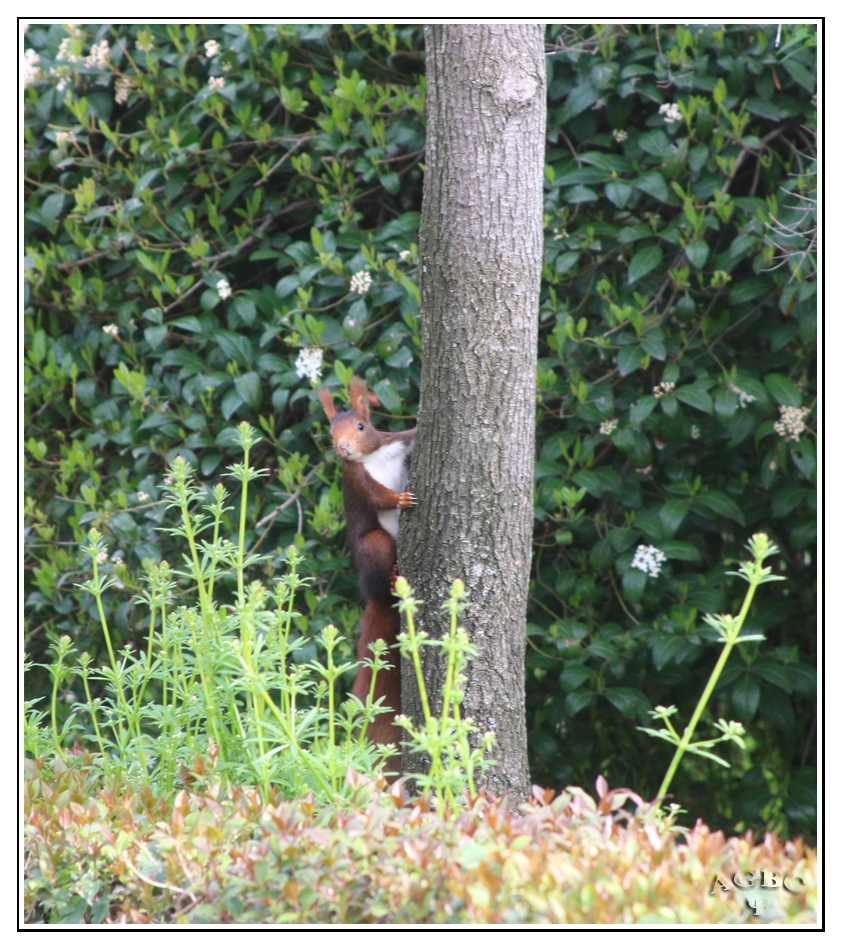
(203, 205)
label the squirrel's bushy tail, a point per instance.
(381, 621)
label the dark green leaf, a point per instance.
(574, 675)
(783, 390)
(696, 397)
(748, 290)
(249, 389)
(697, 253)
(155, 336)
(653, 184)
(210, 463)
(745, 697)
(51, 210)
(655, 142)
(231, 402)
(645, 260)
(564, 262)
(672, 514)
(391, 182)
(681, 550)
(630, 702)
(634, 582)
(607, 161)
(619, 193)
(802, 75)
(401, 359)
(653, 343)
(787, 499)
(720, 504)
(578, 700)
(246, 309)
(773, 672)
(579, 194)
(287, 285)
(629, 359)
(641, 409)
(579, 99)
(388, 396)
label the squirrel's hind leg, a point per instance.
(375, 561)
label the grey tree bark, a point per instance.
(472, 469)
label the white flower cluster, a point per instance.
(361, 282)
(102, 556)
(663, 389)
(212, 48)
(142, 496)
(223, 289)
(122, 88)
(118, 562)
(405, 256)
(649, 559)
(620, 135)
(98, 57)
(226, 67)
(31, 70)
(792, 423)
(608, 427)
(64, 138)
(560, 234)
(670, 111)
(111, 329)
(64, 51)
(744, 399)
(309, 363)
(216, 83)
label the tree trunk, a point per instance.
(472, 469)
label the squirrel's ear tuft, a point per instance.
(327, 401)
(359, 398)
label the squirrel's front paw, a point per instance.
(406, 499)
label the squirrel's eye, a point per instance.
(360, 426)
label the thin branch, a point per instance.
(281, 160)
(72, 265)
(231, 252)
(747, 151)
(296, 494)
(621, 601)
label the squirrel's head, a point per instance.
(352, 433)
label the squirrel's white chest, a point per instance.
(389, 466)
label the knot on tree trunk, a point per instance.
(516, 88)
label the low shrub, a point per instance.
(219, 853)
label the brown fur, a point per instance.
(372, 548)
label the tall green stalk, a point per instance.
(444, 739)
(246, 438)
(729, 629)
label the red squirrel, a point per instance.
(375, 467)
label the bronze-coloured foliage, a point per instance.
(220, 854)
